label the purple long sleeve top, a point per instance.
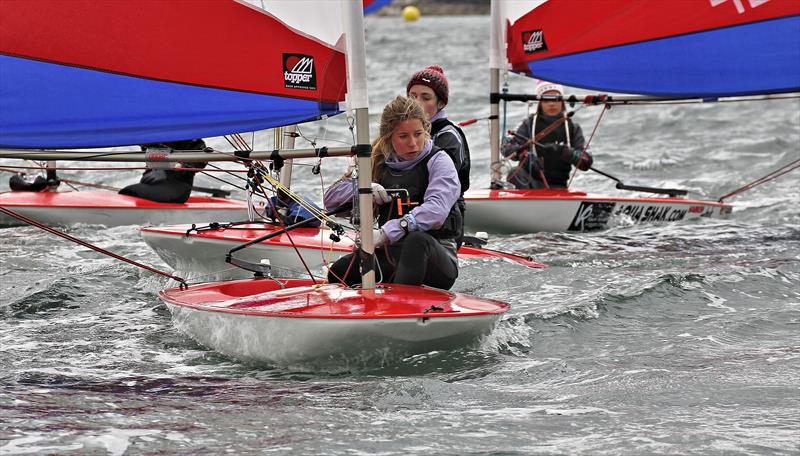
(440, 196)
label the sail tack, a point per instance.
(706, 48)
(92, 74)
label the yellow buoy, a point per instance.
(411, 13)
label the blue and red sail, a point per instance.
(370, 6)
(84, 73)
(699, 48)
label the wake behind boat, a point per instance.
(112, 209)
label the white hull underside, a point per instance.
(334, 343)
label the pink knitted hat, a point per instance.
(433, 77)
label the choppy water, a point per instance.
(667, 339)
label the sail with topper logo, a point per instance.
(533, 41)
(701, 48)
(298, 72)
(140, 72)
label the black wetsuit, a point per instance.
(556, 169)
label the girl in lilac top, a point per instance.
(419, 246)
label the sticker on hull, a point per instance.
(591, 216)
(648, 213)
(595, 215)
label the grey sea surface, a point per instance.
(640, 339)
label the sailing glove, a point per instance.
(577, 157)
(379, 195)
(378, 238)
(512, 150)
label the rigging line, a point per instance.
(634, 102)
(242, 141)
(201, 278)
(317, 213)
(219, 169)
(314, 142)
(351, 125)
(586, 146)
(237, 143)
(41, 168)
(230, 141)
(10, 168)
(69, 185)
(223, 181)
(288, 236)
(88, 184)
(66, 181)
(773, 175)
(86, 244)
(34, 153)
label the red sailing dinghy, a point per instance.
(524, 211)
(202, 251)
(296, 321)
(635, 47)
(112, 209)
(296, 78)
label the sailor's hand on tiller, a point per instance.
(577, 157)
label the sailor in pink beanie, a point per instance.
(430, 88)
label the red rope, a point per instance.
(586, 146)
(778, 172)
(280, 221)
(12, 169)
(78, 241)
(89, 184)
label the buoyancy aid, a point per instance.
(440, 127)
(556, 169)
(415, 181)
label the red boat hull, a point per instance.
(299, 322)
(112, 209)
